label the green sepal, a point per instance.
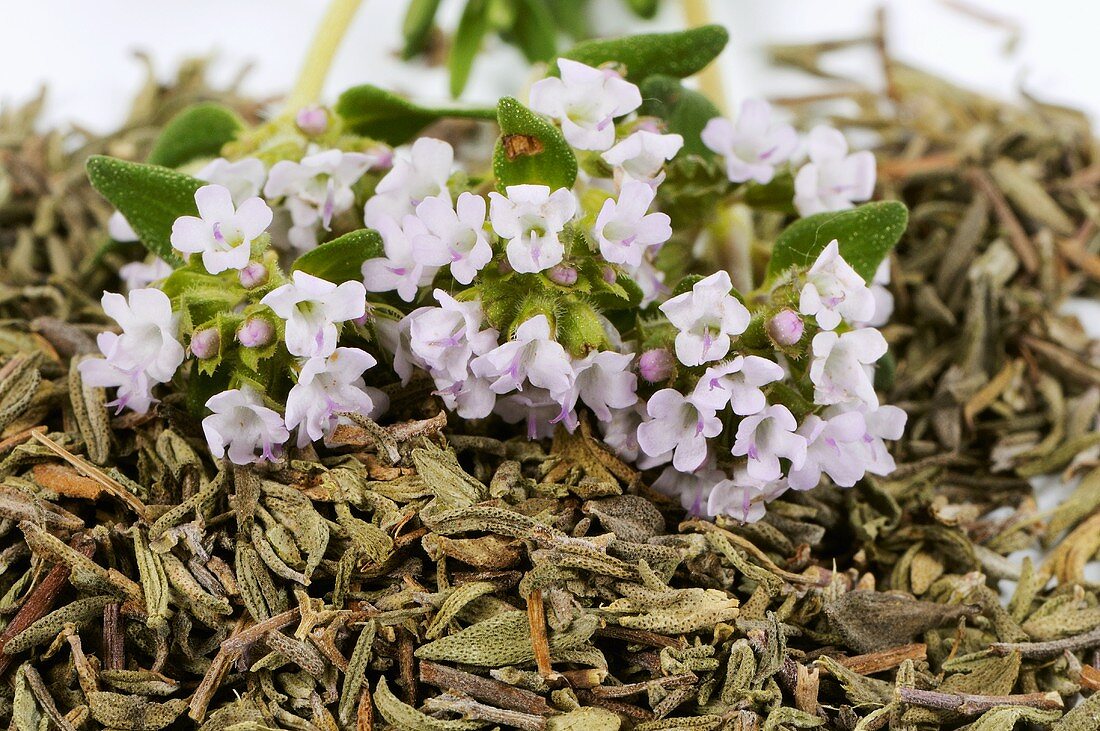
(621, 294)
(579, 327)
(373, 112)
(685, 111)
(417, 27)
(865, 236)
(472, 27)
(530, 150)
(252, 358)
(226, 324)
(149, 196)
(201, 386)
(341, 260)
(678, 54)
(782, 392)
(200, 130)
(204, 302)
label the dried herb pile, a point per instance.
(427, 576)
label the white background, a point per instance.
(83, 50)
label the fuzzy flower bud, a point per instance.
(205, 343)
(609, 275)
(254, 274)
(785, 327)
(256, 332)
(655, 365)
(312, 120)
(562, 274)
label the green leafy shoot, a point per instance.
(684, 110)
(530, 150)
(341, 260)
(678, 55)
(199, 131)
(382, 115)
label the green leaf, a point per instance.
(150, 197)
(535, 30)
(777, 195)
(341, 260)
(865, 236)
(684, 110)
(418, 26)
(382, 115)
(672, 54)
(530, 150)
(467, 42)
(200, 130)
(644, 8)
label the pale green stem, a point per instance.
(311, 79)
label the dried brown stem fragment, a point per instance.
(968, 704)
(489, 690)
(876, 662)
(1052, 648)
(536, 615)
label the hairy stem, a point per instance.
(311, 79)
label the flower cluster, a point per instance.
(539, 304)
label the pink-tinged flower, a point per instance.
(562, 274)
(766, 436)
(679, 427)
(400, 269)
(706, 317)
(134, 387)
(834, 447)
(536, 407)
(623, 229)
(255, 332)
(253, 274)
(393, 336)
(311, 307)
(834, 291)
(585, 101)
(328, 387)
(455, 236)
(603, 381)
(833, 180)
(884, 299)
(241, 423)
(642, 155)
(445, 338)
(754, 145)
(316, 189)
(883, 423)
(221, 233)
(205, 343)
(743, 496)
(530, 219)
(785, 327)
(418, 173)
(244, 178)
(650, 280)
(656, 365)
(471, 397)
(841, 366)
(737, 382)
(531, 356)
(119, 229)
(691, 488)
(149, 334)
(620, 433)
(140, 274)
(313, 120)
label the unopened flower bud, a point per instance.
(205, 343)
(312, 120)
(785, 327)
(562, 274)
(255, 333)
(656, 365)
(609, 275)
(254, 274)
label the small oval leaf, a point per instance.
(530, 150)
(198, 131)
(149, 196)
(684, 110)
(372, 112)
(865, 236)
(672, 54)
(341, 260)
